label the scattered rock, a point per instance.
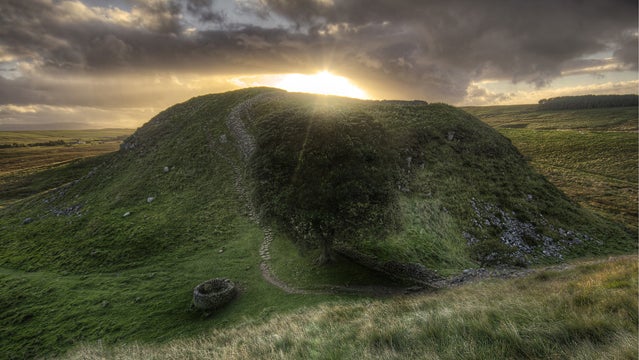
(220, 251)
(166, 169)
(128, 145)
(450, 136)
(223, 139)
(245, 141)
(126, 214)
(522, 236)
(68, 211)
(150, 199)
(27, 221)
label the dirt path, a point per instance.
(246, 146)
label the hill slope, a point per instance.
(455, 182)
(590, 154)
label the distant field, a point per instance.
(21, 163)
(30, 137)
(589, 154)
(528, 117)
(41, 157)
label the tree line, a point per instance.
(588, 102)
(48, 143)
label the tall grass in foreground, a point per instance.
(587, 312)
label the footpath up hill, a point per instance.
(401, 187)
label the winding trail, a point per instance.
(246, 146)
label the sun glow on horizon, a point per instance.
(323, 83)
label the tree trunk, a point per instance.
(326, 256)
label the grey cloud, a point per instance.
(258, 9)
(203, 10)
(627, 51)
(480, 96)
(160, 16)
(103, 91)
(97, 45)
(519, 40)
(411, 49)
(109, 47)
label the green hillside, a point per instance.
(248, 185)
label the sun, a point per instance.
(323, 83)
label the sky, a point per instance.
(115, 64)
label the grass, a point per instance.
(445, 160)
(30, 170)
(78, 144)
(586, 312)
(596, 169)
(298, 267)
(39, 158)
(590, 154)
(80, 271)
(68, 136)
(528, 117)
(47, 312)
(50, 308)
(431, 234)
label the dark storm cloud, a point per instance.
(627, 51)
(529, 41)
(411, 49)
(160, 16)
(203, 10)
(63, 38)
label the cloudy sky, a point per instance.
(95, 63)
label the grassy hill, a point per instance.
(114, 254)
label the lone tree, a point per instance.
(326, 177)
